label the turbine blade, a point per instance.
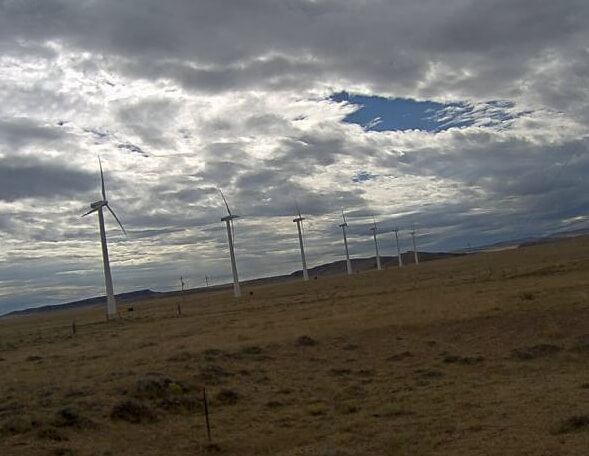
(90, 211)
(102, 180)
(344, 217)
(225, 201)
(232, 231)
(116, 218)
(298, 210)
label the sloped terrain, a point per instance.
(482, 354)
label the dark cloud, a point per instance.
(22, 178)
(17, 133)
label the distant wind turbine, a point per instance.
(228, 219)
(396, 230)
(111, 304)
(373, 229)
(344, 227)
(300, 228)
(414, 247)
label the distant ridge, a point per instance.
(367, 264)
(328, 269)
(527, 241)
(121, 298)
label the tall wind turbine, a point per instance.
(414, 247)
(396, 230)
(228, 219)
(111, 304)
(300, 228)
(344, 227)
(373, 229)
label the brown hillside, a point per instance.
(483, 354)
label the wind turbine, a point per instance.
(396, 230)
(299, 222)
(373, 229)
(414, 248)
(111, 303)
(344, 227)
(228, 219)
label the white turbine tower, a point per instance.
(230, 235)
(396, 230)
(300, 228)
(414, 247)
(344, 227)
(111, 304)
(373, 229)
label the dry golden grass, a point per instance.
(479, 355)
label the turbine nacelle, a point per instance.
(98, 204)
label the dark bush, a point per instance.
(227, 397)
(306, 341)
(536, 351)
(213, 375)
(574, 423)
(132, 411)
(71, 417)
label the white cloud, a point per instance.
(181, 97)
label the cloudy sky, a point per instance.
(466, 118)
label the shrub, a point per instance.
(213, 375)
(19, 424)
(70, 417)
(132, 411)
(227, 397)
(536, 351)
(400, 356)
(574, 423)
(50, 433)
(306, 341)
(152, 386)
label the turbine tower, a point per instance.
(396, 230)
(414, 247)
(230, 235)
(373, 229)
(344, 227)
(301, 229)
(111, 303)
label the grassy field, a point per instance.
(480, 355)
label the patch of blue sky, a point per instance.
(376, 113)
(363, 176)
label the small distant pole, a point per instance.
(182, 297)
(204, 399)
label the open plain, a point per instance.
(486, 354)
